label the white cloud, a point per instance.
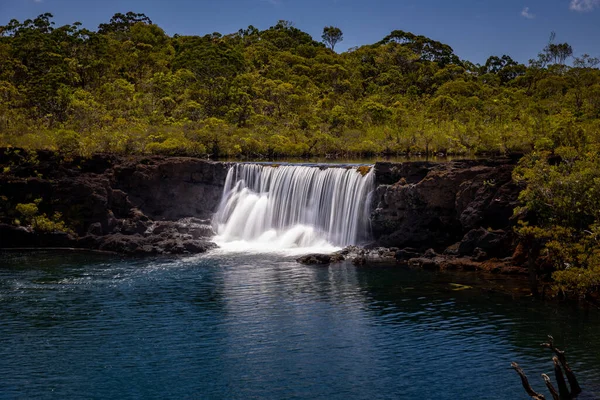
(584, 5)
(525, 13)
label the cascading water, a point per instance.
(272, 208)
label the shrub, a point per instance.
(562, 195)
(41, 222)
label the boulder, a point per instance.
(493, 243)
(315, 259)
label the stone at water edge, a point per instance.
(316, 259)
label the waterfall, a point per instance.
(269, 207)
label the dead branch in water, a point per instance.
(532, 393)
(575, 388)
(560, 364)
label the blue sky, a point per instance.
(475, 29)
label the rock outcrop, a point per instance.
(434, 205)
(149, 205)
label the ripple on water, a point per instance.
(237, 325)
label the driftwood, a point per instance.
(560, 363)
(532, 393)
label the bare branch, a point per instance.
(563, 390)
(575, 388)
(532, 393)
(555, 395)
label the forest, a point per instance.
(130, 88)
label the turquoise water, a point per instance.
(247, 327)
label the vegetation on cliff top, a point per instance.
(130, 88)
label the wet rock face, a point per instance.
(435, 205)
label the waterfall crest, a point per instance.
(292, 206)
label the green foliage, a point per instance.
(131, 88)
(176, 147)
(28, 210)
(563, 194)
(331, 36)
(41, 222)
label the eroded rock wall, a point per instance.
(435, 205)
(113, 203)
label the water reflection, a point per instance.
(244, 326)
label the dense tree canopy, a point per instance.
(129, 87)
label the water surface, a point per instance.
(262, 326)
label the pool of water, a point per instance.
(245, 326)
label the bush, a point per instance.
(67, 141)
(41, 222)
(562, 196)
(176, 147)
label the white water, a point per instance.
(293, 208)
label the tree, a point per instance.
(120, 23)
(557, 52)
(428, 49)
(332, 36)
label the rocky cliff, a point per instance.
(164, 205)
(435, 205)
(130, 205)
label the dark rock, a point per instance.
(197, 246)
(360, 260)
(406, 254)
(172, 188)
(432, 205)
(111, 201)
(315, 259)
(479, 254)
(161, 227)
(119, 203)
(336, 257)
(452, 250)
(95, 229)
(493, 243)
(488, 200)
(133, 227)
(138, 244)
(389, 173)
(193, 227)
(430, 253)
(89, 242)
(120, 243)
(425, 263)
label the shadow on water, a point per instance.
(262, 326)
